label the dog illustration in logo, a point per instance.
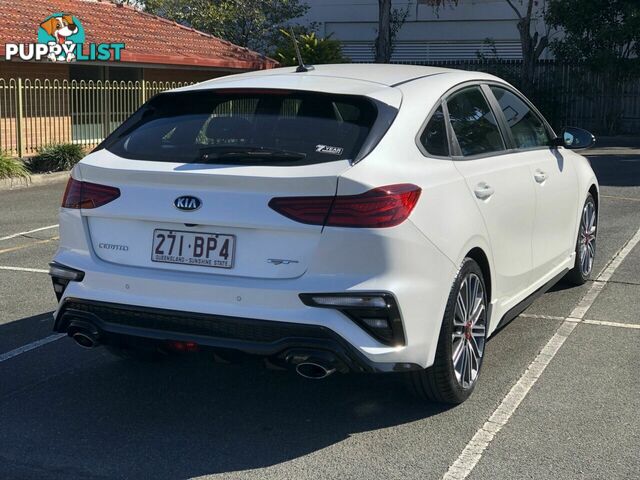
(60, 27)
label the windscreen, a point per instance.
(246, 127)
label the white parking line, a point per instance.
(23, 269)
(542, 317)
(9, 237)
(472, 452)
(30, 346)
(604, 323)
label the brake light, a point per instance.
(88, 195)
(378, 208)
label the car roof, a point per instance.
(385, 83)
(388, 75)
(383, 74)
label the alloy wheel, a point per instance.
(587, 242)
(469, 330)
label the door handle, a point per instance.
(540, 176)
(483, 191)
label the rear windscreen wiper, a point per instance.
(226, 153)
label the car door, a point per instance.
(553, 178)
(499, 181)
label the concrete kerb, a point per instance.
(33, 181)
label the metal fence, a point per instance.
(569, 94)
(37, 112)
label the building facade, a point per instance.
(462, 32)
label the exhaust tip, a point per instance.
(313, 371)
(84, 340)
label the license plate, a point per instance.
(193, 248)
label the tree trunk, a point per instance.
(528, 62)
(383, 42)
(532, 48)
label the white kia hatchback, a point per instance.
(350, 218)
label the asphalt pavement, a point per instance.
(69, 413)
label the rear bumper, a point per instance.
(277, 341)
(399, 261)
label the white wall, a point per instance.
(450, 33)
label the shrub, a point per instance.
(314, 50)
(56, 157)
(12, 168)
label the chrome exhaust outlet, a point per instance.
(314, 364)
(313, 371)
(85, 339)
(84, 333)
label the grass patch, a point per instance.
(56, 157)
(12, 168)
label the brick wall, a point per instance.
(37, 131)
(43, 130)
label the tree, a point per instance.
(528, 14)
(314, 50)
(533, 44)
(249, 23)
(398, 18)
(383, 40)
(390, 21)
(605, 36)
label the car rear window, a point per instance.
(259, 127)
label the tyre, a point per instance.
(461, 343)
(585, 244)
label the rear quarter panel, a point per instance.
(446, 218)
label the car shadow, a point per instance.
(561, 286)
(17, 333)
(188, 416)
(559, 158)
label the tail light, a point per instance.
(88, 195)
(378, 208)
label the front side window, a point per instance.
(434, 136)
(246, 127)
(528, 130)
(473, 122)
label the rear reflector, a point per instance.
(178, 346)
(88, 195)
(61, 275)
(376, 313)
(378, 208)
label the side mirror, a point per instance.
(575, 138)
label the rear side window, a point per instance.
(527, 128)
(434, 136)
(248, 127)
(473, 122)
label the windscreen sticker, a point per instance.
(329, 149)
